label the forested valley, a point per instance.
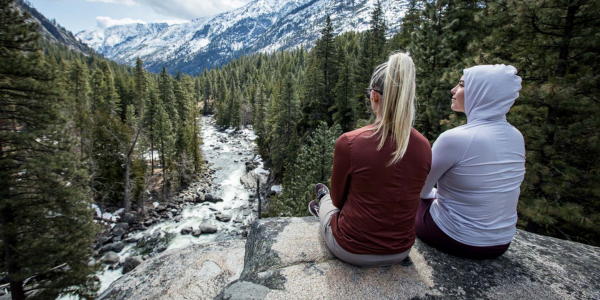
(78, 130)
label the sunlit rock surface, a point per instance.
(196, 272)
(285, 258)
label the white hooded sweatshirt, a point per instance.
(479, 167)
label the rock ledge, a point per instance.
(285, 258)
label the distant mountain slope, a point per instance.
(259, 26)
(52, 31)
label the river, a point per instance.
(227, 151)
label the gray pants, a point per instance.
(326, 211)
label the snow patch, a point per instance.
(106, 216)
(277, 188)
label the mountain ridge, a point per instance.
(52, 31)
(259, 26)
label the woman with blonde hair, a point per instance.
(378, 173)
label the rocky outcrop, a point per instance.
(285, 258)
(249, 179)
(196, 272)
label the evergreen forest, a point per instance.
(300, 101)
(78, 130)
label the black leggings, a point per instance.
(430, 233)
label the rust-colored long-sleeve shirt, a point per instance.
(378, 203)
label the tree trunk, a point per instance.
(126, 202)
(9, 241)
(258, 196)
(151, 151)
(163, 169)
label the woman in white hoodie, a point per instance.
(478, 169)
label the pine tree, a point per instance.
(208, 93)
(401, 41)
(363, 73)
(293, 177)
(97, 87)
(149, 121)
(259, 121)
(222, 113)
(312, 165)
(164, 137)
(437, 47)
(110, 102)
(79, 89)
(377, 32)
(44, 204)
(107, 136)
(285, 113)
(195, 139)
(184, 110)
(314, 109)
(141, 85)
(325, 58)
(344, 95)
(167, 97)
(135, 125)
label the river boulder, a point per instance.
(187, 230)
(115, 247)
(200, 197)
(130, 263)
(120, 229)
(208, 228)
(128, 218)
(111, 258)
(155, 242)
(134, 238)
(211, 198)
(251, 165)
(223, 217)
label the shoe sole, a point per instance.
(310, 210)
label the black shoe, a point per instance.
(313, 208)
(321, 190)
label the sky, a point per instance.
(78, 15)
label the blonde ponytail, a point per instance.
(398, 103)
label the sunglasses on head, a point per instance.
(368, 92)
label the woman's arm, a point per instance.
(446, 152)
(340, 176)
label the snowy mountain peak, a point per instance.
(259, 26)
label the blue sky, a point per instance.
(78, 15)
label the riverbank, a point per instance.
(219, 206)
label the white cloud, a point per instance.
(105, 22)
(126, 2)
(190, 9)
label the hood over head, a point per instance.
(490, 91)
